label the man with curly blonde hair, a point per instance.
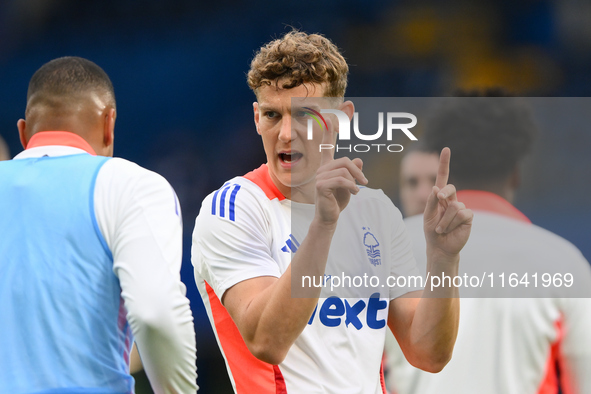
(261, 234)
(296, 59)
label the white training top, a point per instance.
(247, 229)
(509, 345)
(139, 217)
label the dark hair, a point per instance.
(69, 75)
(419, 146)
(300, 58)
(488, 135)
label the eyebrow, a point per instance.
(264, 108)
(313, 106)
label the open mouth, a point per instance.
(291, 157)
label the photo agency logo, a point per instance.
(394, 123)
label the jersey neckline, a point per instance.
(262, 179)
(62, 138)
(486, 201)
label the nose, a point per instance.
(286, 134)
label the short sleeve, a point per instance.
(404, 263)
(232, 239)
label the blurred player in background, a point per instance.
(244, 246)
(504, 345)
(4, 152)
(90, 251)
(418, 170)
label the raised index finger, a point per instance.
(443, 171)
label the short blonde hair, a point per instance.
(299, 58)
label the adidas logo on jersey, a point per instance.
(291, 245)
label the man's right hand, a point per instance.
(335, 182)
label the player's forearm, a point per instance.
(285, 310)
(435, 323)
(433, 332)
(441, 265)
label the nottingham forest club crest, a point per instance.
(371, 243)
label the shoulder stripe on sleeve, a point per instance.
(232, 199)
(222, 204)
(176, 202)
(215, 199)
(213, 202)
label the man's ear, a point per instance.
(349, 108)
(255, 107)
(109, 116)
(21, 125)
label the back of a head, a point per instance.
(488, 135)
(298, 58)
(65, 78)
